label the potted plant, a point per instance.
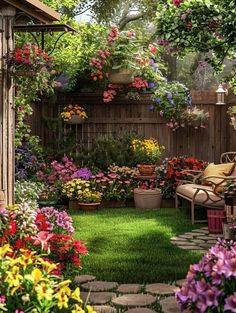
(147, 152)
(147, 196)
(73, 114)
(89, 200)
(232, 114)
(195, 117)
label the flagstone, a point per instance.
(170, 305)
(161, 289)
(134, 300)
(140, 310)
(192, 247)
(80, 279)
(180, 282)
(99, 285)
(97, 297)
(129, 288)
(104, 309)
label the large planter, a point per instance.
(75, 120)
(121, 77)
(147, 199)
(89, 206)
(146, 169)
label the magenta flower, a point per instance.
(230, 303)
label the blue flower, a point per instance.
(168, 94)
(151, 85)
(151, 107)
(157, 100)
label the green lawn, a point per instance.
(133, 246)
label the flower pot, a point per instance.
(147, 199)
(120, 77)
(89, 206)
(75, 120)
(146, 169)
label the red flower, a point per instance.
(176, 2)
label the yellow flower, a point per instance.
(13, 277)
(4, 250)
(77, 309)
(43, 292)
(76, 295)
(90, 309)
(49, 267)
(35, 276)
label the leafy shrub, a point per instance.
(106, 151)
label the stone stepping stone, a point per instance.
(202, 231)
(186, 236)
(97, 297)
(80, 279)
(200, 251)
(196, 241)
(181, 282)
(183, 243)
(196, 234)
(192, 247)
(211, 242)
(204, 237)
(134, 300)
(104, 309)
(176, 238)
(129, 288)
(170, 305)
(98, 285)
(205, 245)
(205, 228)
(161, 289)
(216, 236)
(140, 310)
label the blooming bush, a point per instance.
(83, 173)
(50, 219)
(28, 284)
(146, 151)
(90, 197)
(28, 192)
(48, 232)
(75, 187)
(210, 284)
(73, 110)
(123, 171)
(169, 172)
(113, 186)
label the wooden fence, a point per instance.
(123, 115)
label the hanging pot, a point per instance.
(121, 77)
(75, 119)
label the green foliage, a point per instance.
(204, 26)
(106, 151)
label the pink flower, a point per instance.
(42, 238)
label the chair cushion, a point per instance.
(189, 190)
(212, 169)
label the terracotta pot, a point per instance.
(75, 119)
(89, 206)
(147, 199)
(146, 169)
(120, 77)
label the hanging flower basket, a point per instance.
(23, 73)
(121, 77)
(75, 120)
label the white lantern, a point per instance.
(220, 92)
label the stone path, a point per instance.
(198, 240)
(110, 297)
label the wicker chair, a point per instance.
(210, 196)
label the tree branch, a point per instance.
(129, 18)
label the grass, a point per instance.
(133, 246)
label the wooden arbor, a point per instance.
(10, 10)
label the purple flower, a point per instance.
(168, 94)
(83, 173)
(151, 85)
(230, 303)
(151, 107)
(157, 100)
